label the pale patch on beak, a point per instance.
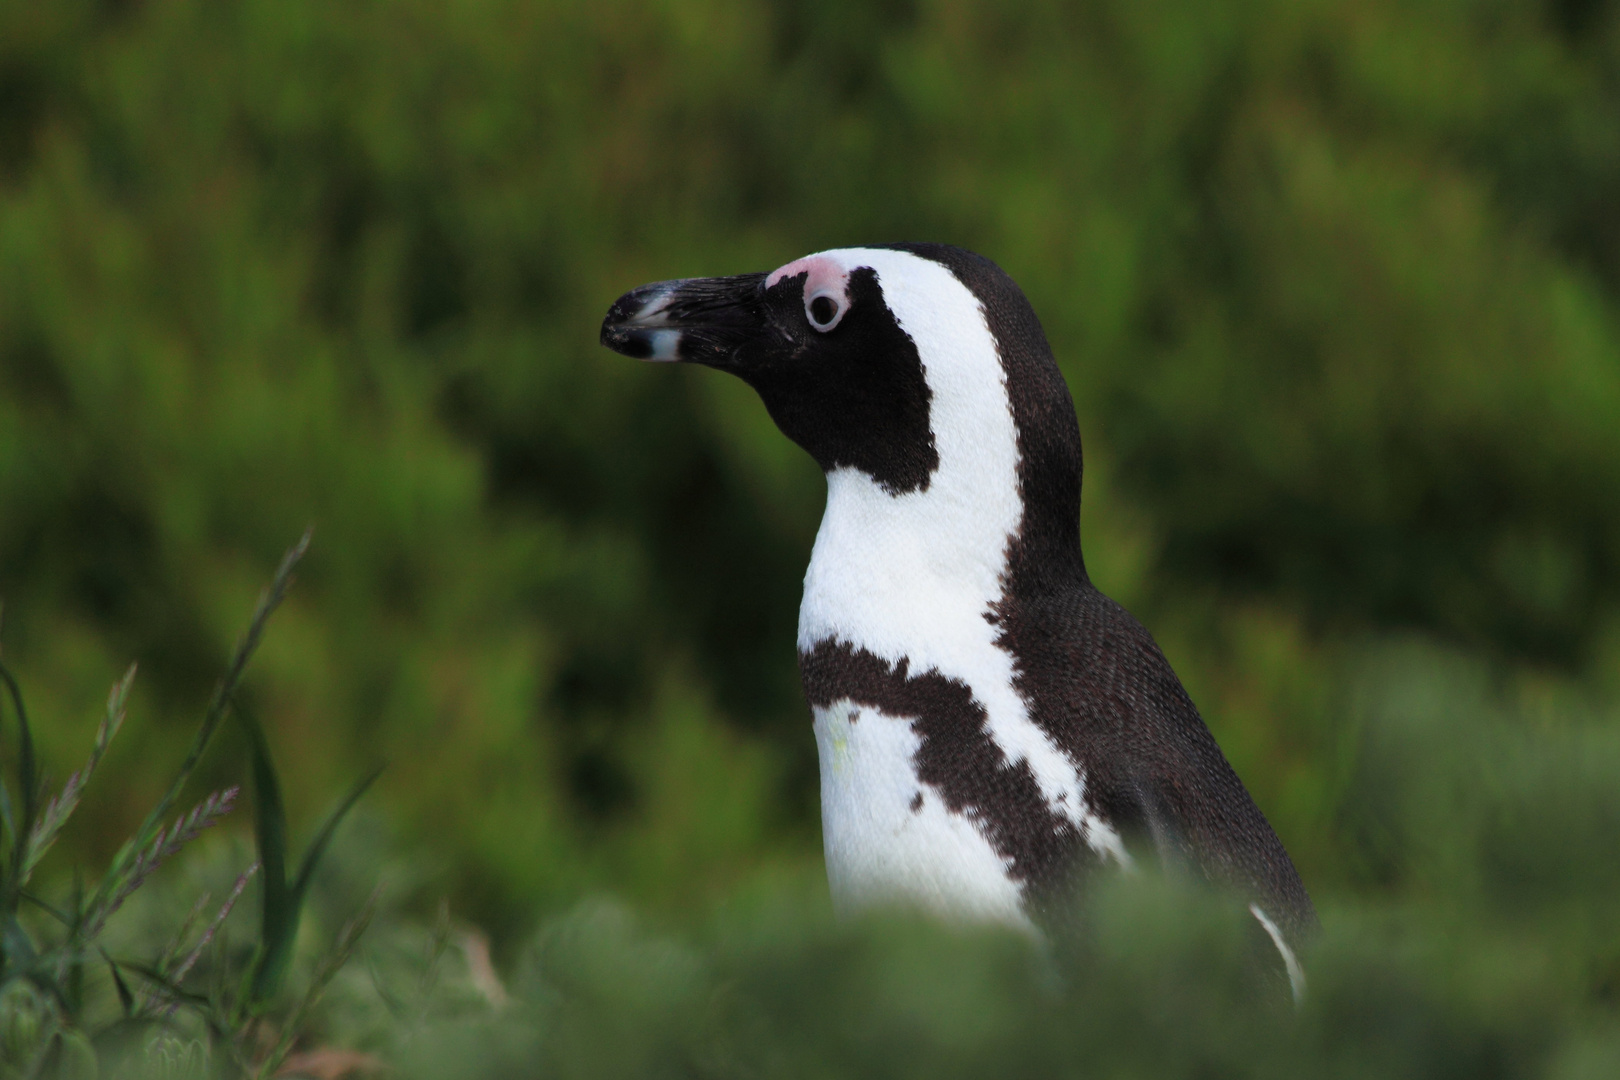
(694, 319)
(663, 346)
(646, 333)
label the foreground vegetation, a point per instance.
(53, 1021)
(1336, 286)
(1502, 958)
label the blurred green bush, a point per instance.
(1334, 284)
(1489, 948)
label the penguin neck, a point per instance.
(895, 574)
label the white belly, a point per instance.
(882, 844)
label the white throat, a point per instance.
(911, 574)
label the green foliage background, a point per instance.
(1336, 286)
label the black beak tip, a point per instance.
(618, 330)
(698, 320)
(626, 340)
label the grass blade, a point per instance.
(27, 780)
(205, 815)
(171, 951)
(7, 821)
(323, 835)
(278, 914)
(339, 955)
(282, 900)
(218, 705)
(125, 998)
(48, 908)
(45, 830)
(167, 986)
(17, 946)
(214, 927)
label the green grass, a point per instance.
(53, 950)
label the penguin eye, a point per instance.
(825, 310)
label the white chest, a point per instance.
(889, 837)
(883, 581)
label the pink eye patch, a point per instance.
(826, 275)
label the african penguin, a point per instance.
(990, 726)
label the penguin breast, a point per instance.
(890, 836)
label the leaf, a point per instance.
(278, 914)
(283, 900)
(18, 946)
(323, 836)
(17, 829)
(48, 908)
(71, 1057)
(6, 818)
(167, 986)
(125, 998)
(27, 780)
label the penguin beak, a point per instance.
(697, 320)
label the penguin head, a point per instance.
(888, 360)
